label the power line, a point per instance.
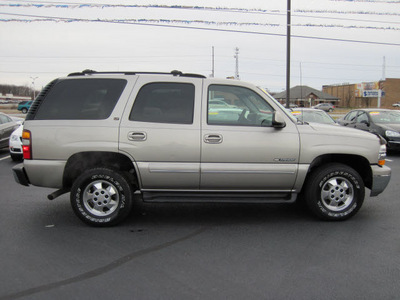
(54, 19)
(220, 23)
(74, 5)
(370, 1)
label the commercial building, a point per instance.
(306, 96)
(381, 93)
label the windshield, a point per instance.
(385, 117)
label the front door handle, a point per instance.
(137, 136)
(213, 139)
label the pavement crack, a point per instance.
(102, 270)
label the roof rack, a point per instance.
(173, 73)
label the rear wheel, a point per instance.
(102, 197)
(335, 192)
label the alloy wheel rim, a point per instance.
(101, 198)
(337, 193)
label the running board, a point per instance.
(230, 197)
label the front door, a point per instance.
(240, 148)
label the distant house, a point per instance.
(306, 96)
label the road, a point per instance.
(195, 251)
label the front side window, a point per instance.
(164, 103)
(238, 106)
(81, 99)
(362, 117)
(351, 116)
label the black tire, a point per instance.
(102, 197)
(334, 192)
(24, 110)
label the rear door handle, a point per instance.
(137, 136)
(213, 139)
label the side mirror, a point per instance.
(365, 122)
(277, 120)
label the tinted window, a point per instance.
(81, 99)
(164, 103)
(234, 105)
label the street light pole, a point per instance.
(33, 84)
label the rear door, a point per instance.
(160, 130)
(240, 148)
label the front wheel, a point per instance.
(102, 197)
(335, 192)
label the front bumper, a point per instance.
(380, 179)
(393, 145)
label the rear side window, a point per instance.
(81, 99)
(164, 103)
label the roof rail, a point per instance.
(173, 73)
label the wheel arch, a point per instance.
(357, 162)
(80, 162)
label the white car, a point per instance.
(15, 144)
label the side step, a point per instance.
(228, 197)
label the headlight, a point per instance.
(382, 155)
(391, 133)
(14, 138)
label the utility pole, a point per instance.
(384, 68)
(212, 67)
(237, 63)
(301, 85)
(288, 55)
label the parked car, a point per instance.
(7, 125)
(325, 107)
(219, 110)
(24, 106)
(15, 144)
(397, 104)
(312, 115)
(106, 137)
(385, 122)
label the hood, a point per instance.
(330, 130)
(394, 127)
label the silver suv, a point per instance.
(183, 137)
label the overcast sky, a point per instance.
(45, 40)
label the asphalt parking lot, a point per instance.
(197, 251)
